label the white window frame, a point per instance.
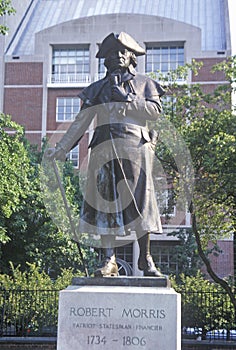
(101, 68)
(164, 57)
(162, 256)
(70, 63)
(73, 156)
(68, 107)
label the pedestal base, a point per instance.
(119, 317)
(122, 281)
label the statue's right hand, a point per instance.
(55, 153)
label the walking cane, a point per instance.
(72, 226)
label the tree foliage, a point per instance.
(207, 124)
(14, 170)
(29, 234)
(186, 254)
(5, 9)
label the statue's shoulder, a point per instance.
(149, 85)
(93, 90)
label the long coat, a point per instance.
(120, 195)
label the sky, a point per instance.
(232, 14)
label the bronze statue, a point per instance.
(122, 149)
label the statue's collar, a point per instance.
(127, 75)
(132, 70)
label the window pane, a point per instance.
(79, 60)
(64, 53)
(55, 69)
(56, 53)
(173, 50)
(173, 57)
(67, 108)
(76, 102)
(165, 259)
(64, 60)
(164, 67)
(156, 59)
(164, 50)
(181, 58)
(156, 51)
(60, 102)
(61, 110)
(63, 68)
(72, 53)
(149, 67)
(71, 68)
(74, 156)
(70, 61)
(164, 58)
(173, 65)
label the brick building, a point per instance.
(49, 56)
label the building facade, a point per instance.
(49, 58)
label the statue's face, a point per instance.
(118, 60)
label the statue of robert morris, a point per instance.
(120, 195)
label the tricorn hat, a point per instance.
(115, 42)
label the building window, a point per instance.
(101, 68)
(70, 64)
(164, 57)
(169, 105)
(166, 202)
(164, 257)
(74, 156)
(67, 108)
(125, 253)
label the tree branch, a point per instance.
(206, 261)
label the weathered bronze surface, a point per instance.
(123, 147)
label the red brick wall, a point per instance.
(223, 262)
(34, 139)
(24, 73)
(23, 96)
(25, 106)
(205, 72)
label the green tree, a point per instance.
(207, 124)
(185, 253)
(14, 170)
(5, 9)
(34, 237)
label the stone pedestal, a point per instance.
(128, 313)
